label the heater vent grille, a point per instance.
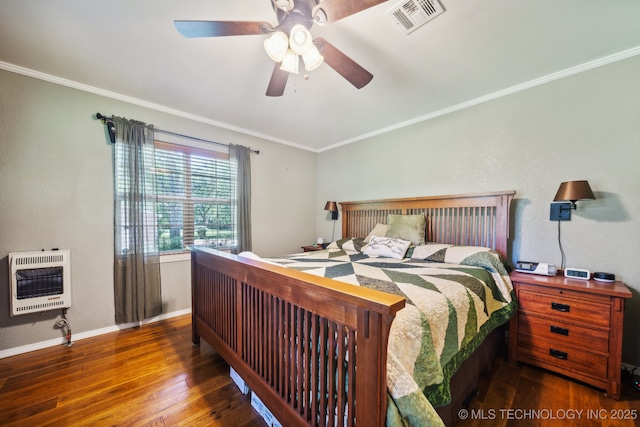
(27, 259)
(40, 307)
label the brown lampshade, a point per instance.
(574, 190)
(331, 206)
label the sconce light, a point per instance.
(333, 207)
(571, 191)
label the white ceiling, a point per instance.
(474, 51)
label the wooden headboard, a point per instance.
(468, 219)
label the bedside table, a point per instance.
(312, 248)
(570, 326)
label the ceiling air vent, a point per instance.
(409, 15)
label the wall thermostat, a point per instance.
(577, 273)
(542, 268)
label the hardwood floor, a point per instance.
(148, 376)
(153, 376)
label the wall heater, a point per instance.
(40, 281)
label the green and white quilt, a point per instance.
(455, 296)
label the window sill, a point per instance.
(184, 255)
(178, 256)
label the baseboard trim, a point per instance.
(88, 334)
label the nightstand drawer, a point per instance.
(564, 357)
(564, 308)
(562, 333)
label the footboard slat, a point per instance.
(315, 369)
(296, 339)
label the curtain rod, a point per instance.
(104, 120)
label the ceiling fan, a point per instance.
(290, 40)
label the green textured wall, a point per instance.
(586, 126)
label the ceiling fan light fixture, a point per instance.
(290, 62)
(276, 46)
(285, 5)
(300, 39)
(319, 15)
(312, 59)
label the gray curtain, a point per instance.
(241, 156)
(136, 257)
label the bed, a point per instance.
(314, 348)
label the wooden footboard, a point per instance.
(313, 349)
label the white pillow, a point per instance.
(380, 230)
(387, 247)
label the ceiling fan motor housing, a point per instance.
(300, 14)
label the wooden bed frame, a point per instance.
(310, 346)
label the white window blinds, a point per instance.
(196, 198)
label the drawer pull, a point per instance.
(560, 331)
(558, 354)
(560, 307)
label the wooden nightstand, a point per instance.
(312, 248)
(570, 326)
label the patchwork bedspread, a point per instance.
(455, 296)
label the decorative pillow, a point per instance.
(386, 247)
(407, 227)
(380, 230)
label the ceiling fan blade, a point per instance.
(193, 29)
(278, 81)
(345, 66)
(333, 10)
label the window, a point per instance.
(196, 198)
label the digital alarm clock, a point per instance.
(542, 268)
(577, 273)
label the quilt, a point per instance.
(455, 296)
